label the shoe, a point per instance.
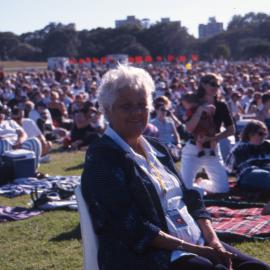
(201, 154)
(212, 153)
(40, 175)
(45, 159)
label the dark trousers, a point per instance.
(241, 262)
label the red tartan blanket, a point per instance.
(240, 223)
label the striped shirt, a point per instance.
(245, 157)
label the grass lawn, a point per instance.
(52, 240)
(13, 66)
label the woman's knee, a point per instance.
(191, 263)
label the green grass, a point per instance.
(52, 240)
(49, 241)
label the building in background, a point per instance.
(144, 23)
(211, 28)
(129, 21)
(168, 20)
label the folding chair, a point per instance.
(89, 238)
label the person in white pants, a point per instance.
(191, 164)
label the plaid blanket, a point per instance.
(240, 224)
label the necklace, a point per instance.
(156, 173)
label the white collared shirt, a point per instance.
(172, 200)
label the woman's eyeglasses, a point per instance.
(163, 110)
(129, 108)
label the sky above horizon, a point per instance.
(21, 16)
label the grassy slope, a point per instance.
(12, 66)
(52, 240)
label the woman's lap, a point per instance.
(241, 262)
(195, 263)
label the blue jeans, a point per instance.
(257, 180)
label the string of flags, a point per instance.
(136, 59)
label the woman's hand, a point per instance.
(217, 256)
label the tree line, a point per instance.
(246, 37)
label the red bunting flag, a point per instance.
(194, 57)
(131, 59)
(148, 59)
(159, 58)
(170, 58)
(88, 60)
(138, 59)
(81, 61)
(104, 60)
(95, 60)
(182, 58)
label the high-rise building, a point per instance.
(129, 21)
(210, 29)
(168, 20)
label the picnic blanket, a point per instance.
(240, 224)
(23, 186)
(8, 213)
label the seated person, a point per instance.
(12, 136)
(205, 127)
(58, 110)
(31, 129)
(250, 158)
(167, 132)
(82, 132)
(42, 117)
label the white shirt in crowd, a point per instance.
(8, 131)
(30, 128)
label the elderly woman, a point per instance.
(191, 164)
(144, 216)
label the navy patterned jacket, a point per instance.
(125, 208)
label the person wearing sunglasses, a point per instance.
(191, 164)
(167, 132)
(250, 158)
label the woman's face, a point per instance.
(129, 114)
(211, 88)
(162, 112)
(258, 137)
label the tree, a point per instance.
(8, 41)
(61, 42)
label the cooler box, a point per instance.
(21, 162)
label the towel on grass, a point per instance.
(8, 213)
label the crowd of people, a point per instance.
(211, 116)
(62, 105)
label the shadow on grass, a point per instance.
(77, 167)
(75, 233)
(232, 239)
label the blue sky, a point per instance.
(20, 16)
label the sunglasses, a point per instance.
(214, 84)
(163, 110)
(261, 133)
